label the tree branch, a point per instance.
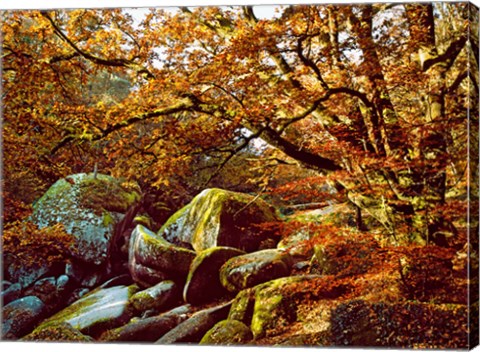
(232, 153)
(449, 56)
(330, 92)
(309, 160)
(182, 106)
(97, 60)
(309, 63)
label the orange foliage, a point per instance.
(28, 245)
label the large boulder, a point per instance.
(255, 268)
(19, 317)
(88, 207)
(152, 259)
(203, 281)
(97, 311)
(217, 217)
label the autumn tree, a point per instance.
(374, 99)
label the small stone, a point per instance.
(62, 282)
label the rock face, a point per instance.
(96, 311)
(152, 259)
(255, 268)
(20, 316)
(219, 218)
(88, 208)
(203, 281)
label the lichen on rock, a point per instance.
(88, 208)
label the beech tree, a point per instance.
(374, 99)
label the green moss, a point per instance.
(58, 188)
(62, 332)
(242, 306)
(108, 220)
(106, 193)
(175, 217)
(209, 219)
(167, 256)
(144, 220)
(158, 297)
(227, 332)
(265, 305)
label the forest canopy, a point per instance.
(372, 100)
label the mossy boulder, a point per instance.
(228, 332)
(88, 208)
(272, 307)
(157, 298)
(217, 217)
(151, 258)
(20, 316)
(203, 282)
(61, 332)
(251, 269)
(97, 311)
